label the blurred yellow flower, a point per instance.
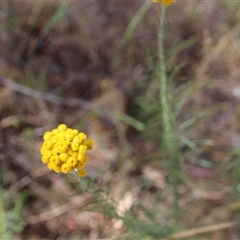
(165, 2)
(64, 149)
(82, 172)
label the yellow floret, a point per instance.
(50, 166)
(62, 146)
(48, 145)
(74, 155)
(70, 151)
(43, 150)
(77, 140)
(55, 159)
(69, 135)
(72, 161)
(82, 136)
(55, 131)
(47, 153)
(82, 172)
(80, 165)
(81, 157)
(90, 144)
(82, 149)
(47, 135)
(65, 168)
(165, 2)
(45, 159)
(75, 146)
(74, 132)
(54, 151)
(61, 136)
(54, 139)
(85, 159)
(62, 127)
(63, 156)
(57, 168)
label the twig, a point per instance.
(202, 230)
(57, 211)
(28, 179)
(55, 99)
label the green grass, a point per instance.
(11, 214)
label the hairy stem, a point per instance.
(168, 119)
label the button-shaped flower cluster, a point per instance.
(64, 149)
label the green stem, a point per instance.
(109, 207)
(3, 229)
(168, 119)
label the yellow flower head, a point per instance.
(64, 149)
(165, 2)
